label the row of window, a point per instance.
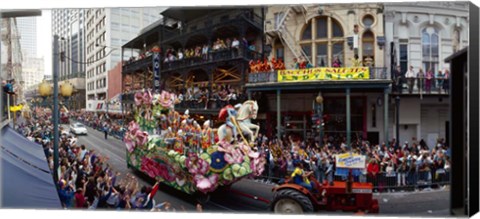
(100, 54)
(90, 35)
(90, 73)
(101, 68)
(100, 25)
(101, 39)
(90, 47)
(98, 84)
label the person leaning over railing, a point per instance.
(410, 75)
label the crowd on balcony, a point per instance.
(265, 65)
(86, 180)
(232, 47)
(420, 81)
(201, 97)
(142, 55)
(413, 165)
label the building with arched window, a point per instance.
(421, 35)
(327, 37)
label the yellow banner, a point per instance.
(315, 74)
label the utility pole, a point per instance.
(55, 63)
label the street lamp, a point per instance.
(397, 115)
(45, 90)
(319, 101)
(66, 90)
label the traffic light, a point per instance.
(62, 56)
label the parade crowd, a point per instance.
(201, 97)
(86, 180)
(221, 47)
(412, 165)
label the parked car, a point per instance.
(78, 129)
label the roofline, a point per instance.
(456, 54)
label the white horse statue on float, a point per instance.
(241, 121)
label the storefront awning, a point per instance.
(26, 180)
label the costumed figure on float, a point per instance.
(176, 150)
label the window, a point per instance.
(327, 42)
(278, 18)
(368, 41)
(430, 50)
(307, 33)
(404, 57)
(322, 54)
(279, 53)
(368, 20)
(322, 27)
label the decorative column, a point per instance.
(349, 128)
(279, 114)
(385, 115)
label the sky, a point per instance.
(44, 42)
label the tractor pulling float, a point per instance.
(176, 150)
(349, 196)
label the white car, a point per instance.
(78, 129)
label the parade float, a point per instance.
(173, 148)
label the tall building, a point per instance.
(27, 27)
(69, 25)
(107, 29)
(33, 71)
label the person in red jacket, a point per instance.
(372, 171)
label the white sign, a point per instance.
(353, 161)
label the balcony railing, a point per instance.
(417, 86)
(213, 56)
(271, 77)
(131, 66)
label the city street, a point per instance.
(250, 195)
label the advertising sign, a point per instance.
(316, 74)
(156, 71)
(351, 161)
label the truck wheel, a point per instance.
(289, 201)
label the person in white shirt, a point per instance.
(410, 76)
(180, 54)
(235, 46)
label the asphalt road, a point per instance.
(251, 196)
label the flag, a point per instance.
(149, 202)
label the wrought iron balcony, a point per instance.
(421, 86)
(212, 57)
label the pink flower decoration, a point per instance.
(142, 137)
(147, 98)
(133, 127)
(129, 142)
(258, 165)
(196, 165)
(166, 99)
(154, 169)
(234, 156)
(205, 184)
(138, 99)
